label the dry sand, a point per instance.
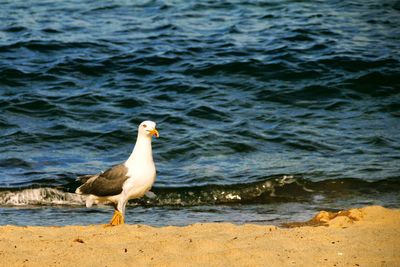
(360, 237)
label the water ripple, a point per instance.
(240, 91)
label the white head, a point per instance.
(148, 129)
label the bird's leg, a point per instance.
(117, 219)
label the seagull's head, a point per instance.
(148, 128)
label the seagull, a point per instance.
(120, 183)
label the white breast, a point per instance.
(142, 176)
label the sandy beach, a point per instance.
(368, 236)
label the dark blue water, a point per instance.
(268, 110)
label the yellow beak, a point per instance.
(154, 132)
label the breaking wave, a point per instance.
(271, 190)
(39, 196)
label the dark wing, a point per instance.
(108, 183)
(84, 178)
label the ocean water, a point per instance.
(268, 111)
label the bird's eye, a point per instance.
(144, 125)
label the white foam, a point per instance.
(40, 196)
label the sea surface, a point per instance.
(268, 111)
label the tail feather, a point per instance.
(84, 180)
(78, 191)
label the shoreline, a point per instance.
(368, 236)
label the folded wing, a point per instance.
(108, 183)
